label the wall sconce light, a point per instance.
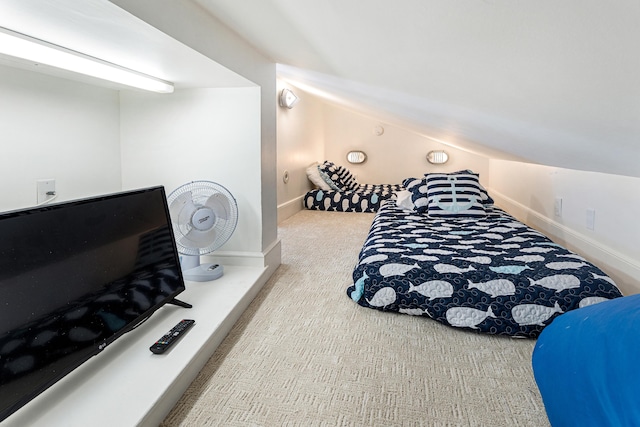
(42, 52)
(288, 99)
(437, 157)
(356, 157)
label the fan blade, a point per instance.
(187, 213)
(197, 239)
(220, 205)
(179, 203)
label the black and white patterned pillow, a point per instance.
(347, 178)
(418, 189)
(484, 194)
(325, 177)
(454, 195)
(326, 169)
(340, 176)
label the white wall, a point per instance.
(197, 134)
(317, 130)
(72, 131)
(393, 156)
(300, 143)
(56, 128)
(529, 192)
(193, 26)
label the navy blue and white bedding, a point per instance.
(339, 191)
(364, 198)
(491, 274)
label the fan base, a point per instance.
(203, 273)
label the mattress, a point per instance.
(363, 198)
(492, 274)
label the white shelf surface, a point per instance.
(126, 384)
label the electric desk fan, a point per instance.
(204, 214)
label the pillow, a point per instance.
(408, 183)
(403, 200)
(454, 195)
(339, 176)
(418, 189)
(347, 178)
(486, 199)
(314, 176)
(484, 194)
(332, 185)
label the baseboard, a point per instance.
(290, 208)
(273, 257)
(621, 268)
(270, 258)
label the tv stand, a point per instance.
(126, 384)
(179, 303)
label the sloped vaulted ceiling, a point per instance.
(545, 81)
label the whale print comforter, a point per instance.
(494, 275)
(363, 198)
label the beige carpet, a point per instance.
(304, 354)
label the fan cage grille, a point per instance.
(201, 191)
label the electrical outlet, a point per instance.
(46, 190)
(558, 207)
(591, 219)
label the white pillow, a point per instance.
(314, 176)
(403, 200)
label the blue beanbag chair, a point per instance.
(587, 365)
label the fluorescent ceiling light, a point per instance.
(38, 51)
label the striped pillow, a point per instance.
(486, 198)
(340, 176)
(454, 195)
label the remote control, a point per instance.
(172, 336)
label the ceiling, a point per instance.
(546, 81)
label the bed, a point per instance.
(337, 190)
(455, 257)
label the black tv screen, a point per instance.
(74, 277)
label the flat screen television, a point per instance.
(74, 277)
